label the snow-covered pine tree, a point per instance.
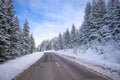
(4, 37)
(45, 45)
(111, 28)
(98, 11)
(77, 36)
(100, 20)
(56, 43)
(84, 30)
(116, 30)
(93, 27)
(48, 45)
(16, 33)
(6, 18)
(66, 39)
(109, 25)
(60, 41)
(52, 43)
(97, 21)
(101, 12)
(26, 38)
(42, 46)
(32, 44)
(73, 36)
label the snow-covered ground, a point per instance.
(101, 63)
(95, 61)
(12, 68)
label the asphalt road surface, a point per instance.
(54, 67)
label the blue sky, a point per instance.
(49, 17)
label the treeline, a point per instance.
(66, 40)
(14, 41)
(99, 30)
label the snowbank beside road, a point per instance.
(12, 68)
(95, 62)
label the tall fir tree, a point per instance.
(97, 21)
(60, 38)
(42, 46)
(109, 22)
(116, 30)
(56, 44)
(6, 18)
(94, 27)
(66, 39)
(84, 30)
(101, 20)
(111, 29)
(15, 33)
(13, 41)
(48, 45)
(32, 44)
(73, 36)
(26, 38)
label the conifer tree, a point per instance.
(15, 38)
(6, 18)
(32, 44)
(56, 44)
(111, 29)
(60, 38)
(73, 36)
(97, 18)
(13, 41)
(42, 46)
(84, 31)
(26, 38)
(66, 39)
(116, 30)
(109, 22)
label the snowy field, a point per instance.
(95, 61)
(12, 68)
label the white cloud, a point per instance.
(57, 16)
(43, 31)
